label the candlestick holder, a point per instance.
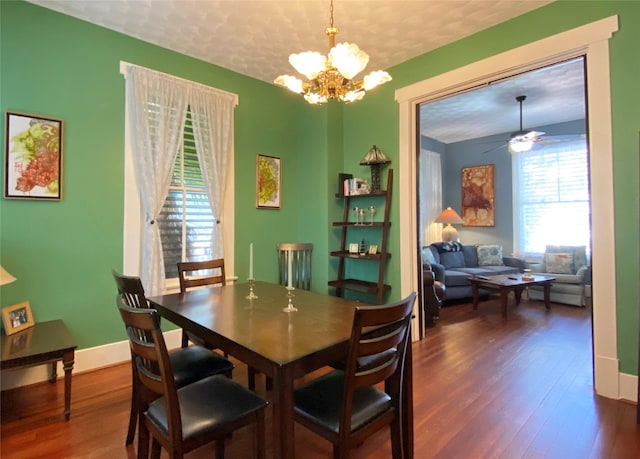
(290, 307)
(251, 295)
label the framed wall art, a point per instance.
(17, 317)
(478, 195)
(33, 157)
(268, 182)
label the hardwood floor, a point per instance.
(484, 388)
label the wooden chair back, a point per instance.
(300, 253)
(353, 406)
(131, 289)
(205, 276)
(152, 364)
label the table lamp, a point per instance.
(375, 158)
(5, 277)
(450, 217)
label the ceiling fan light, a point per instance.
(375, 78)
(290, 82)
(520, 146)
(349, 59)
(308, 63)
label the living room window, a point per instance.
(551, 203)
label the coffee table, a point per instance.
(505, 283)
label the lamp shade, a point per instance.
(449, 216)
(5, 277)
(374, 156)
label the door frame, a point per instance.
(592, 41)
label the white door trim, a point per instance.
(592, 41)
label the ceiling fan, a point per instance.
(522, 140)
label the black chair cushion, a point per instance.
(321, 399)
(193, 363)
(206, 405)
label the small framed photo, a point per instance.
(268, 182)
(32, 157)
(373, 249)
(354, 247)
(17, 317)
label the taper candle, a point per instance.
(251, 261)
(289, 270)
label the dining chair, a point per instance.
(344, 406)
(196, 274)
(189, 364)
(181, 419)
(300, 253)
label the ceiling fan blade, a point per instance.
(504, 145)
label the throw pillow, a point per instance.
(490, 255)
(444, 247)
(427, 256)
(452, 260)
(559, 263)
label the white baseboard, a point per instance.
(85, 360)
(607, 379)
(628, 387)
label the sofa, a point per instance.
(454, 264)
(569, 265)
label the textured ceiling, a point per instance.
(555, 94)
(255, 38)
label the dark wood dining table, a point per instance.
(283, 345)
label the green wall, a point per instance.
(378, 113)
(62, 252)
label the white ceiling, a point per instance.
(255, 38)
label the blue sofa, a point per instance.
(454, 264)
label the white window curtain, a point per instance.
(157, 105)
(551, 202)
(430, 196)
(212, 117)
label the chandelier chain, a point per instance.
(331, 14)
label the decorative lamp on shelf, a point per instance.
(450, 217)
(375, 158)
(5, 277)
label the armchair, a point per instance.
(432, 295)
(570, 266)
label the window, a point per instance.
(156, 129)
(551, 197)
(186, 221)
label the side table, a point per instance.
(44, 343)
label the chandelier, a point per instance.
(332, 77)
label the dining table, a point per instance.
(282, 345)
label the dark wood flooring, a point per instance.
(484, 388)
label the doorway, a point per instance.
(592, 41)
(475, 128)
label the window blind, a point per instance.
(186, 222)
(551, 197)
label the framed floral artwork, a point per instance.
(268, 182)
(33, 157)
